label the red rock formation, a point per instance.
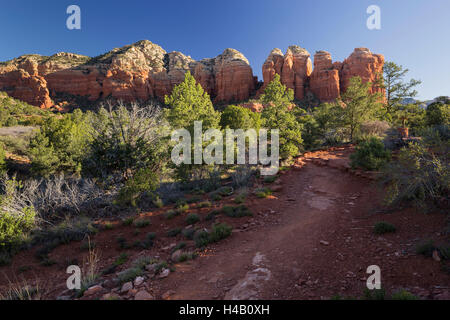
(25, 84)
(328, 80)
(324, 81)
(234, 76)
(364, 64)
(294, 69)
(273, 65)
(137, 72)
(144, 70)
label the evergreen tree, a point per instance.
(236, 117)
(358, 105)
(396, 88)
(278, 114)
(189, 103)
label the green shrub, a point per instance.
(183, 208)
(141, 223)
(2, 159)
(204, 204)
(444, 252)
(5, 258)
(376, 294)
(158, 202)
(123, 243)
(193, 199)
(201, 238)
(236, 212)
(192, 218)
(212, 215)
(141, 262)
(403, 295)
(171, 214)
(128, 221)
(219, 232)
(420, 176)
(215, 197)
(126, 143)
(144, 180)
(145, 244)
(384, 227)
(161, 266)
(15, 221)
(108, 226)
(438, 114)
(122, 259)
(61, 144)
(426, 248)
(151, 236)
(240, 198)
(370, 155)
(270, 179)
(263, 192)
(225, 191)
(189, 233)
(186, 256)
(174, 232)
(236, 117)
(130, 274)
(14, 226)
(179, 246)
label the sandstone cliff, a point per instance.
(136, 72)
(328, 80)
(144, 70)
(294, 69)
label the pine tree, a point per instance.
(276, 114)
(359, 105)
(189, 103)
(396, 88)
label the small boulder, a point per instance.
(176, 255)
(168, 294)
(93, 290)
(151, 267)
(138, 281)
(164, 274)
(127, 286)
(143, 295)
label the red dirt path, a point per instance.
(312, 240)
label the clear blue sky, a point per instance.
(415, 33)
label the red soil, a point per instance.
(312, 239)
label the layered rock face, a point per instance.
(324, 82)
(137, 72)
(364, 64)
(294, 69)
(328, 80)
(144, 70)
(24, 83)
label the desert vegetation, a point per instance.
(81, 167)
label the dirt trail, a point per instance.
(313, 239)
(266, 263)
(316, 241)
